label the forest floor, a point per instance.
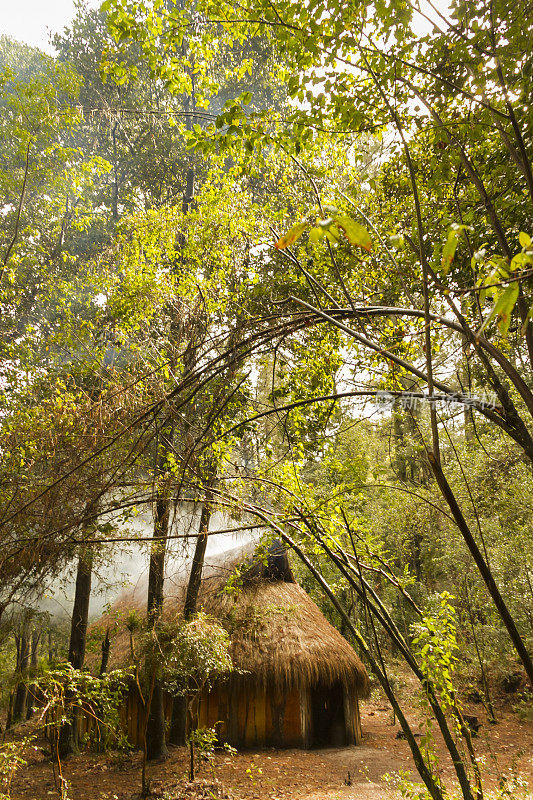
(352, 773)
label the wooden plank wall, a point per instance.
(259, 718)
(247, 717)
(357, 721)
(306, 718)
(352, 717)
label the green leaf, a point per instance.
(397, 241)
(519, 261)
(525, 323)
(315, 235)
(503, 308)
(524, 239)
(452, 240)
(332, 234)
(291, 236)
(448, 251)
(354, 232)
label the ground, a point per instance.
(353, 773)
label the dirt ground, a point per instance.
(353, 773)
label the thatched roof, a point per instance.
(278, 634)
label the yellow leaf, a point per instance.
(291, 236)
(354, 232)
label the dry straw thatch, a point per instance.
(279, 637)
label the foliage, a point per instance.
(45, 193)
(258, 349)
(64, 691)
(12, 759)
(198, 655)
(329, 228)
(205, 741)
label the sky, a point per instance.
(31, 21)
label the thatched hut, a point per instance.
(298, 681)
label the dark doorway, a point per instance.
(327, 714)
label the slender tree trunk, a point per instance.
(32, 691)
(197, 566)
(484, 569)
(156, 747)
(106, 645)
(23, 663)
(68, 735)
(115, 189)
(178, 725)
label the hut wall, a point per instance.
(248, 716)
(212, 708)
(283, 723)
(357, 718)
(306, 718)
(256, 717)
(247, 724)
(352, 718)
(292, 732)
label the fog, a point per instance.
(126, 569)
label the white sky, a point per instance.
(31, 21)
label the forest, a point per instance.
(266, 402)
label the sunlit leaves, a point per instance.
(435, 641)
(450, 246)
(503, 308)
(502, 284)
(291, 236)
(330, 228)
(354, 232)
(199, 654)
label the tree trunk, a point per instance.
(156, 747)
(32, 691)
(80, 611)
(197, 566)
(68, 735)
(106, 645)
(23, 663)
(178, 725)
(115, 189)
